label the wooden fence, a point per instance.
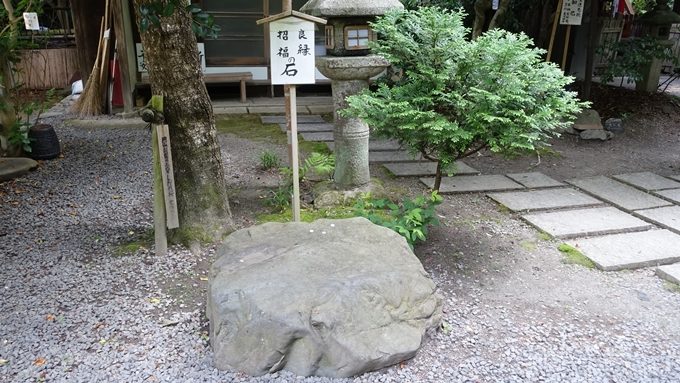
(47, 68)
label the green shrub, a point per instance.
(456, 96)
(410, 219)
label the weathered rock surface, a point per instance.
(588, 119)
(12, 167)
(330, 298)
(594, 134)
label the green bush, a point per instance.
(457, 97)
(628, 58)
(410, 219)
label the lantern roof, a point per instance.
(348, 8)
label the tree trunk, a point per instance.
(171, 55)
(87, 16)
(438, 177)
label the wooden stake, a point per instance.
(294, 149)
(556, 21)
(566, 49)
(159, 216)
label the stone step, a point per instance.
(302, 119)
(617, 193)
(468, 184)
(586, 222)
(668, 217)
(544, 199)
(648, 181)
(381, 157)
(671, 194)
(534, 180)
(422, 169)
(310, 127)
(317, 136)
(377, 145)
(671, 273)
(630, 250)
(675, 177)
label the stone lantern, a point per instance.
(349, 65)
(657, 24)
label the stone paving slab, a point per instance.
(544, 199)
(12, 167)
(668, 217)
(630, 250)
(377, 145)
(586, 222)
(534, 180)
(230, 110)
(648, 181)
(671, 273)
(422, 169)
(317, 136)
(467, 184)
(381, 157)
(273, 110)
(312, 127)
(316, 109)
(675, 177)
(302, 119)
(617, 193)
(671, 194)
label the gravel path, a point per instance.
(74, 310)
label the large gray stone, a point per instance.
(376, 145)
(671, 273)
(596, 134)
(586, 222)
(331, 298)
(12, 167)
(630, 250)
(648, 181)
(544, 199)
(467, 184)
(350, 7)
(534, 180)
(668, 217)
(588, 119)
(421, 169)
(616, 193)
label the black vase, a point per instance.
(44, 142)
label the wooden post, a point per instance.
(159, 216)
(556, 21)
(122, 51)
(566, 49)
(286, 5)
(592, 44)
(294, 149)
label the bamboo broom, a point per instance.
(90, 103)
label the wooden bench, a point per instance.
(219, 78)
(225, 78)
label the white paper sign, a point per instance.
(292, 51)
(572, 12)
(31, 21)
(141, 67)
(494, 5)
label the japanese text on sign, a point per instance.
(292, 51)
(572, 12)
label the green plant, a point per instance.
(202, 23)
(456, 96)
(628, 58)
(574, 257)
(411, 218)
(269, 160)
(321, 164)
(279, 198)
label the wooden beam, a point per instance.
(122, 51)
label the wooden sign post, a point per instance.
(291, 42)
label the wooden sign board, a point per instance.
(291, 42)
(168, 176)
(572, 12)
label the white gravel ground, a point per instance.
(74, 311)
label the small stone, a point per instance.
(614, 125)
(596, 134)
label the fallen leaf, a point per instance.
(169, 322)
(39, 362)
(154, 301)
(204, 278)
(3, 362)
(50, 317)
(102, 341)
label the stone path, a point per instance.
(622, 222)
(11, 167)
(639, 228)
